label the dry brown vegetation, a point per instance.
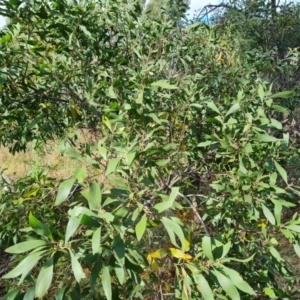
(47, 158)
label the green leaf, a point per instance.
(266, 138)
(76, 267)
(96, 240)
(297, 249)
(237, 280)
(174, 193)
(295, 228)
(119, 250)
(112, 165)
(281, 171)
(80, 174)
(162, 206)
(276, 124)
(228, 259)
(270, 292)
(119, 272)
(39, 227)
(261, 92)
(268, 214)
(213, 107)
(25, 246)
(73, 153)
(207, 248)
(102, 151)
(111, 93)
(94, 196)
(197, 106)
(25, 266)
(94, 277)
(44, 279)
(72, 226)
(227, 285)
(64, 191)
(242, 166)
(164, 84)
(141, 227)
(204, 144)
(284, 95)
(140, 98)
(106, 283)
(233, 109)
(173, 228)
(11, 295)
(29, 295)
(280, 108)
(60, 294)
(275, 254)
(162, 162)
(204, 287)
(86, 32)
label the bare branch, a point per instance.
(196, 212)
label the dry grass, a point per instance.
(21, 164)
(47, 158)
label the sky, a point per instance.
(195, 5)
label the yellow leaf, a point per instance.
(263, 223)
(179, 254)
(160, 253)
(155, 265)
(106, 122)
(219, 57)
(249, 237)
(167, 287)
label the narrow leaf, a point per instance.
(112, 165)
(25, 246)
(25, 266)
(72, 226)
(44, 279)
(73, 153)
(180, 254)
(141, 227)
(106, 283)
(233, 109)
(266, 138)
(39, 227)
(94, 196)
(76, 267)
(64, 191)
(227, 285)
(212, 106)
(268, 214)
(207, 249)
(297, 249)
(165, 85)
(285, 94)
(204, 287)
(238, 281)
(80, 174)
(96, 240)
(281, 171)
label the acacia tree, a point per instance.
(193, 156)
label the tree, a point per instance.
(174, 9)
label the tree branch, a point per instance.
(195, 212)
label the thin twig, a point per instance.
(196, 212)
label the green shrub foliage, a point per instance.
(197, 166)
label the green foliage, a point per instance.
(193, 157)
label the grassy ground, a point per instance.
(20, 164)
(46, 158)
